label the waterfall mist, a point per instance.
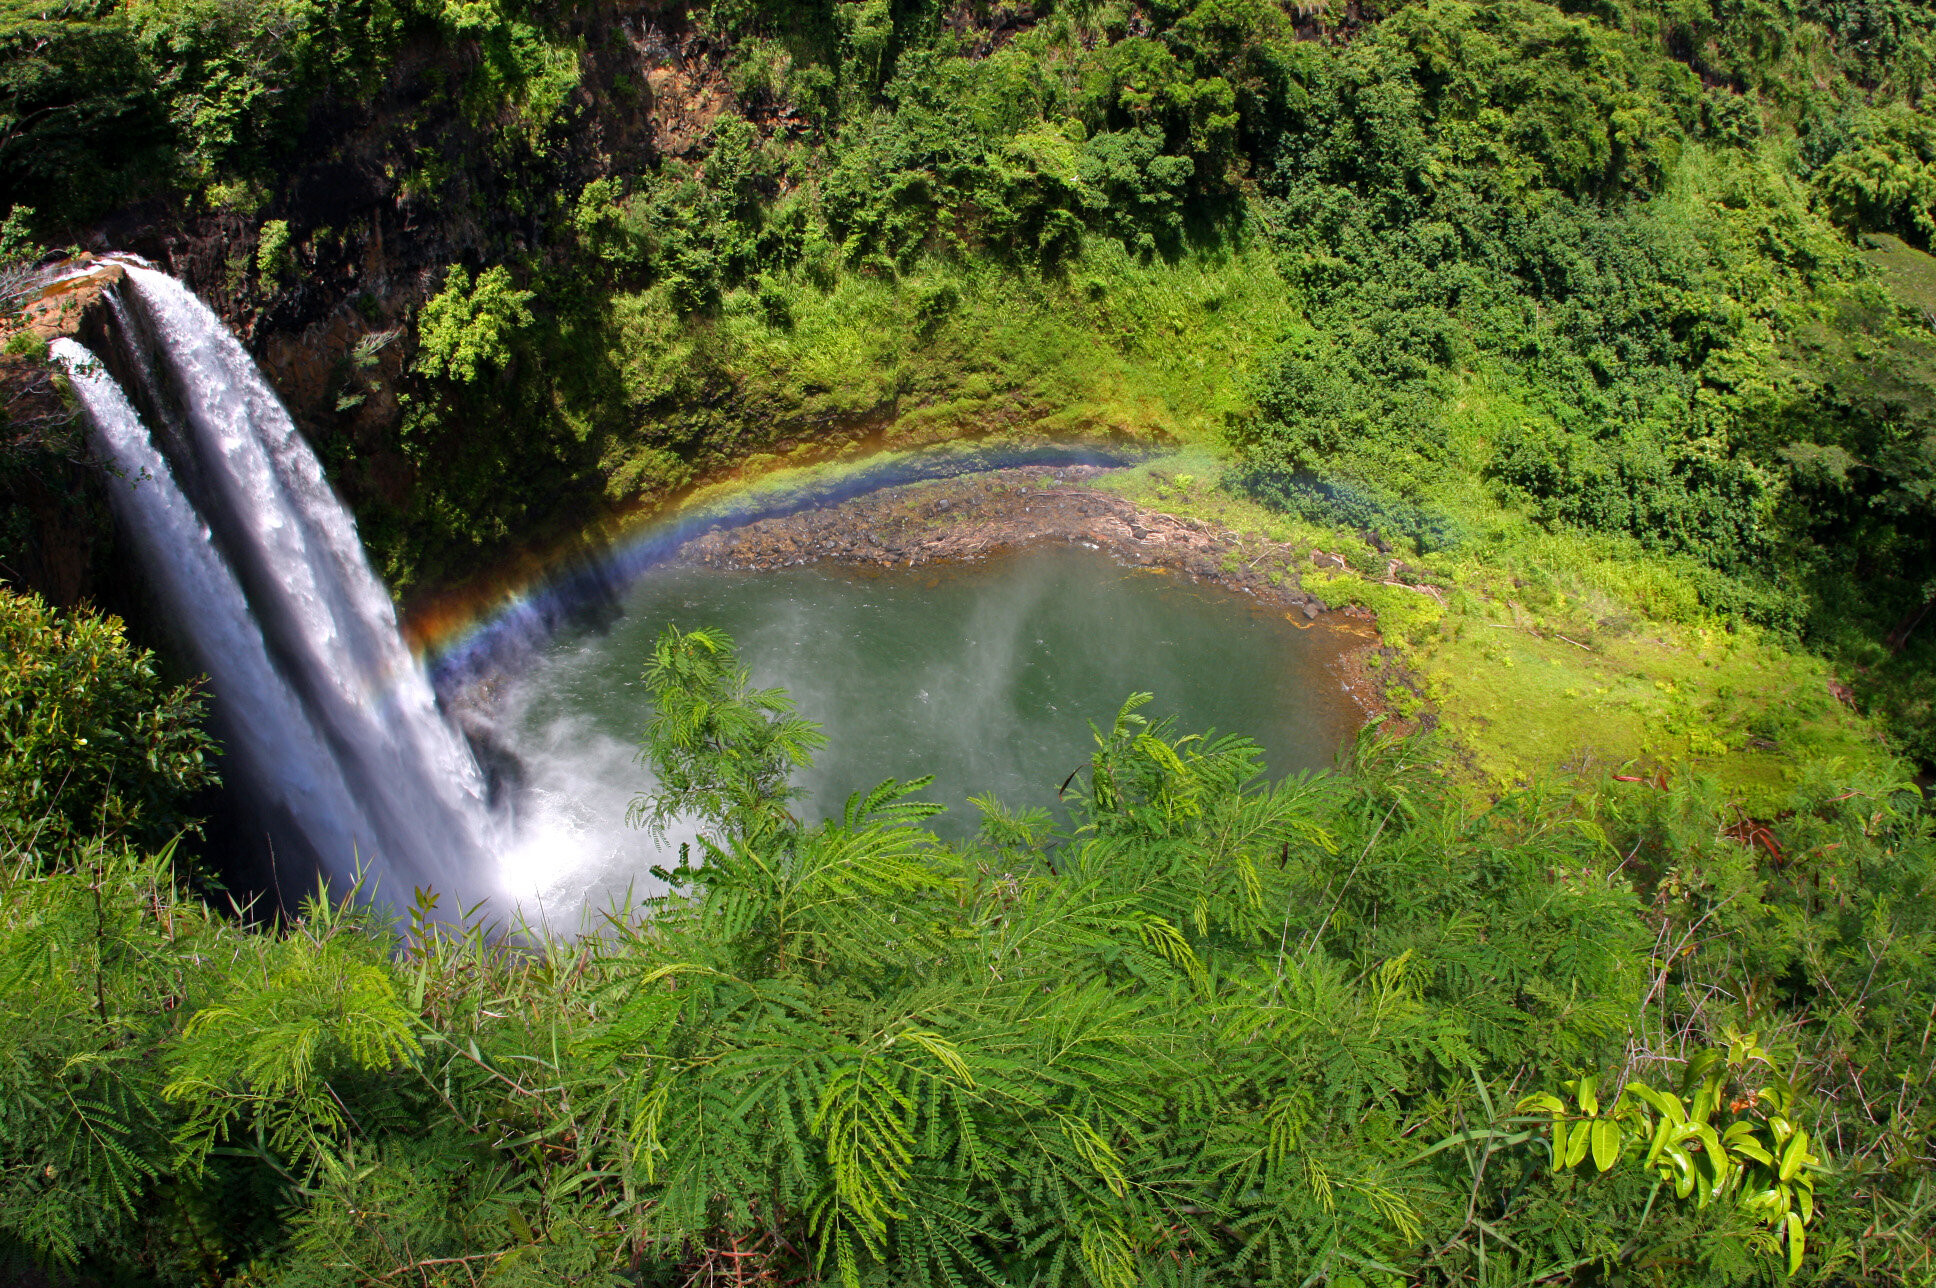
(985, 674)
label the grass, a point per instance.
(1113, 346)
(1907, 273)
(1544, 652)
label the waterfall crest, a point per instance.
(337, 741)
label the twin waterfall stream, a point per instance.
(337, 748)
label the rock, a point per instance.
(72, 306)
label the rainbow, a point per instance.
(467, 637)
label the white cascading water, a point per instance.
(270, 741)
(332, 723)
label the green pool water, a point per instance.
(986, 675)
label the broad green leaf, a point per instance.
(1577, 1143)
(1682, 1166)
(1795, 1155)
(1663, 1132)
(1606, 1144)
(1666, 1103)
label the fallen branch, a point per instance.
(444, 1261)
(1432, 592)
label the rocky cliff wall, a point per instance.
(379, 198)
(382, 196)
(55, 537)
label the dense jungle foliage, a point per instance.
(1644, 279)
(1203, 1029)
(1647, 271)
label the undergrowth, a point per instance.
(1213, 1030)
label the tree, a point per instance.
(466, 328)
(720, 750)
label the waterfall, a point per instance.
(335, 737)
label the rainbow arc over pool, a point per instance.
(491, 629)
(358, 757)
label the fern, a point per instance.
(313, 1002)
(1210, 1031)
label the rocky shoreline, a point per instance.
(980, 515)
(1004, 511)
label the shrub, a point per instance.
(468, 327)
(93, 743)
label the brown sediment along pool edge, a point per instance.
(1000, 512)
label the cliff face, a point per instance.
(381, 196)
(55, 537)
(321, 267)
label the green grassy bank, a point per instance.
(1545, 656)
